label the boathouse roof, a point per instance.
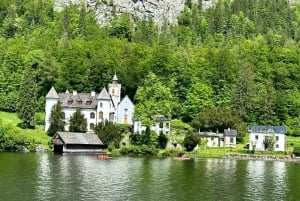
(76, 138)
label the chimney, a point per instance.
(93, 94)
(74, 93)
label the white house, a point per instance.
(258, 134)
(106, 105)
(226, 139)
(161, 125)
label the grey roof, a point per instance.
(159, 118)
(77, 138)
(104, 95)
(210, 134)
(230, 132)
(267, 129)
(80, 100)
(52, 93)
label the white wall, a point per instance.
(227, 142)
(259, 144)
(125, 104)
(106, 109)
(138, 127)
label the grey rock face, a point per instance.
(161, 11)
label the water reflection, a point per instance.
(266, 178)
(47, 177)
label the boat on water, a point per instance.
(182, 158)
(104, 156)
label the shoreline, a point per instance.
(263, 158)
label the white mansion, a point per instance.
(107, 105)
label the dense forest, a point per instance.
(234, 64)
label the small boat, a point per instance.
(182, 158)
(103, 157)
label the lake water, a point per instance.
(47, 177)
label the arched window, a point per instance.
(113, 92)
(92, 115)
(100, 115)
(92, 126)
(101, 105)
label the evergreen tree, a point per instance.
(190, 141)
(57, 117)
(77, 122)
(109, 133)
(27, 99)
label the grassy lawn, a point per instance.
(38, 134)
(293, 142)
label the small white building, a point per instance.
(258, 134)
(106, 105)
(161, 125)
(226, 139)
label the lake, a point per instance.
(47, 177)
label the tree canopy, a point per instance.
(240, 54)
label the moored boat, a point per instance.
(182, 158)
(103, 157)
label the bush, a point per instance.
(162, 141)
(190, 141)
(172, 152)
(296, 151)
(138, 150)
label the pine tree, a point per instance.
(77, 122)
(57, 117)
(27, 99)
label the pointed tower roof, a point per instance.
(104, 95)
(115, 79)
(52, 93)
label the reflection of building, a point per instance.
(107, 105)
(226, 139)
(259, 134)
(161, 125)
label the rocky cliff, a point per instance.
(161, 11)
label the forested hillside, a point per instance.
(234, 64)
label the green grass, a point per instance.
(293, 142)
(38, 134)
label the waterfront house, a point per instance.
(96, 108)
(258, 135)
(74, 142)
(226, 139)
(161, 125)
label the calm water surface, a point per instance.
(47, 177)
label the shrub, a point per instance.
(296, 151)
(162, 141)
(190, 141)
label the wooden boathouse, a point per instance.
(74, 142)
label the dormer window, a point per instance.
(88, 102)
(70, 101)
